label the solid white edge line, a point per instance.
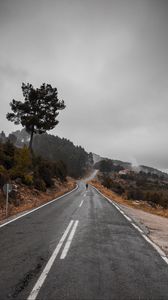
(48, 266)
(69, 241)
(128, 218)
(165, 259)
(156, 247)
(139, 229)
(34, 209)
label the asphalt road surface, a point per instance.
(79, 247)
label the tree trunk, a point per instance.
(31, 140)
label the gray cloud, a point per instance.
(108, 60)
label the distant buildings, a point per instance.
(124, 172)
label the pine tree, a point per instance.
(38, 113)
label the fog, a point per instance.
(109, 62)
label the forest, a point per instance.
(53, 149)
(20, 165)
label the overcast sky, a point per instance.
(109, 62)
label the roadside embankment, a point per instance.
(29, 198)
(142, 205)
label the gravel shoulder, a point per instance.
(156, 227)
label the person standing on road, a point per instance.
(86, 186)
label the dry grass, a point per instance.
(31, 198)
(143, 205)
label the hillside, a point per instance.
(39, 176)
(54, 148)
(127, 165)
(77, 160)
(34, 180)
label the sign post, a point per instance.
(7, 188)
(7, 191)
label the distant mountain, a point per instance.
(151, 170)
(96, 158)
(22, 137)
(116, 164)
(77, 159)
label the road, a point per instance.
(79, 247)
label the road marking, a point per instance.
(34, 209)
(81, 203)
(165, 259)
(139, 229)
(48, 266)
(156, 247)
(128, 218)
(69, 241)
(84, 195)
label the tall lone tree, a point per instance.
(38, 113)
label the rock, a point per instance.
(18, 180)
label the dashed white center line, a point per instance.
(81, 203)
(69, 241)
(48, 266)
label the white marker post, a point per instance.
(7, 188)
(7, 191)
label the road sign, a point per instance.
(7, 188)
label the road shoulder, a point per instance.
(156, 227)
(35, 203)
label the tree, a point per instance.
(106, 165)
(22, 163)
(39, 110)
(2, 137)
(23, 159)
(12, 138)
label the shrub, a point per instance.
(45, 173)
(107, 182)
(9, 149)
(60, 170)
(15, 173)
(134, 194)
(8, 162)
(157, 198)
(47, 177)
(4, 176)
(110, 184)
(3, 179)
(2, 170)
(22, 165)
(28, 179)
(40, 184)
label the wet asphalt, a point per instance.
(107, 257)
